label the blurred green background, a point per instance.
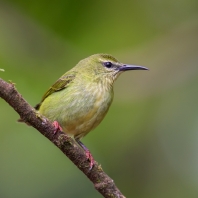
(148, 142)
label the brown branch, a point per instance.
(102, 182)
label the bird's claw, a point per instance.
(87, 153)
(57, 127)
(90, 158)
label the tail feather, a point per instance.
(37, 107)
(20, 120)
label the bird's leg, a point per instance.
(87, 152)
(57, 127)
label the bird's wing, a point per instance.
(60, 84)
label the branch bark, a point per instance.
(102, 182)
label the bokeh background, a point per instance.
(148, 142)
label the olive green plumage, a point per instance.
(80, 98)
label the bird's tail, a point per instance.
(20, 120)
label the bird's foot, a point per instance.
(87, 153)
(90, 158)
(57, 127)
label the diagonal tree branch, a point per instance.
(102, 182)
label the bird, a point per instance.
(79, 100)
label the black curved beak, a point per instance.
(132, 67)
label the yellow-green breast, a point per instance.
(79, 108)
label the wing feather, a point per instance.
(59, 85)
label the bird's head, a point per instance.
(102, 67)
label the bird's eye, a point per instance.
(108, 64)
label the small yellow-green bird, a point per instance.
(79, 100)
